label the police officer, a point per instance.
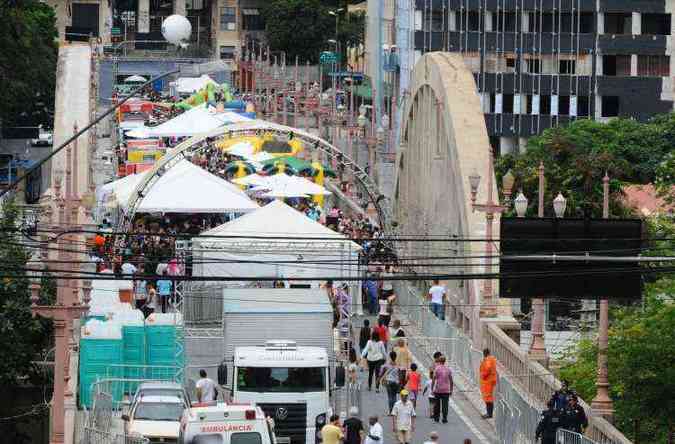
(561, 397)
(549, 423)
(575, 416)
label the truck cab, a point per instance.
(221, 423)
(291, 384)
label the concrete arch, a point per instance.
(325, 149)
(443, 140)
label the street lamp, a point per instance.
(507, 185)
(559, 205)
(474, 181)
(521, 204)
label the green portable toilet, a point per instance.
(100, 348)
(133, 346)
(164, 343)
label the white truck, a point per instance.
(279, 355)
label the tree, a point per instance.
(22, 337)
(641, 345)
(577, 156)
(28, 53)
(298, 27)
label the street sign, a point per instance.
(328, 57)
(115, 32)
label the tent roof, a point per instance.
(187, 188)
(294, 162)
(277, 219)
(197, 120)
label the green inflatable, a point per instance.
(206, 94)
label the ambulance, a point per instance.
(222, 423)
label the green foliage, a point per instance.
(298, 27)
(28, 53)
(576, 157)
(21, 336)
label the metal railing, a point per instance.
(93, 436)
(351, 395)
(564, 436)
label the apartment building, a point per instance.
(544, 63)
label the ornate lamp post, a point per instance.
(490, 208)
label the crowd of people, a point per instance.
(562, 411)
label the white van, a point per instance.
(221, 423)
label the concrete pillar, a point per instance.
(452, 20)
(601, 22)
(179, 7)
(525, 22)
(598, 106)
(633, 65)
(143, 16)
(636, 23)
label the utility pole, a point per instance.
(538, 346)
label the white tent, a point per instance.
(287, 244)
(187, 188)
(197, 120)
(246, 150)
(190, 85)
(283, 185)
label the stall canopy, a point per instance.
(286, 244)
(190, 85)
(197, 120)
(184, 188)
(282, 185)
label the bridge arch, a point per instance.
(193, 144)
(443, 140)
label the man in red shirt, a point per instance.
(382, 331)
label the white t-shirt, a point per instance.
(376, 431)
(208, 388)
(128, 268)
(383, 307)
(403, 413)
(437, 292)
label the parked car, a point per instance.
(161, 388)
(45, 138)
(156, 418)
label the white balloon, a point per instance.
(176, 29)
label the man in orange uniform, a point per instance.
(488, 381)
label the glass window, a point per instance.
(281, 379)
(227, 52)
(208, 439)
(246, 438)
(155, 411)
(228, 19)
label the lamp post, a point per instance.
(602, 403)
(490, 208)
(537, 349)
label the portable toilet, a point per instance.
(164, 344)
(100, 348)
(133, 346)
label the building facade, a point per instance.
(544, 63)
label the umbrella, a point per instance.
(135, 79)
(239, 169)
(318, 172)
(279, 167)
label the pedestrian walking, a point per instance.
(488, 381)
(403, 418)
(442, 387)
(549, 423)
(141, 294)
(331, 433)
(433, 438)
(403, 360)
(374, 353)
(413, 383)
(151, 303)
(206, 388)
(382, 331)
(561, 397)
(371, 290)
(396, 331)
(164, 289)
(390, 378)
(375, 433)
(437, 298)
(353, 426)
(364, 334)
(574, 416)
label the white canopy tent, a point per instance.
(184, 188)
(283, 185)
(190, 85)
(197, 120)
(246, 150)
(287, 244)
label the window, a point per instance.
(544, 104)
(654, 66)
(586, 23)
(469, 21)
(212, 438)
(616, 65)
(610, 106)
(533, 66)
(281, 379)
(583, 106)
(567, 67)
(656, 24)
(246, 438)
(567, 22)
(438, 22)
(504, 22)
(511, 62)
(528, 103)
(227, 52)
(228, 19)
(493, 103)
(618, 23)
(507, 103)
(252, 20)
(563, 105)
